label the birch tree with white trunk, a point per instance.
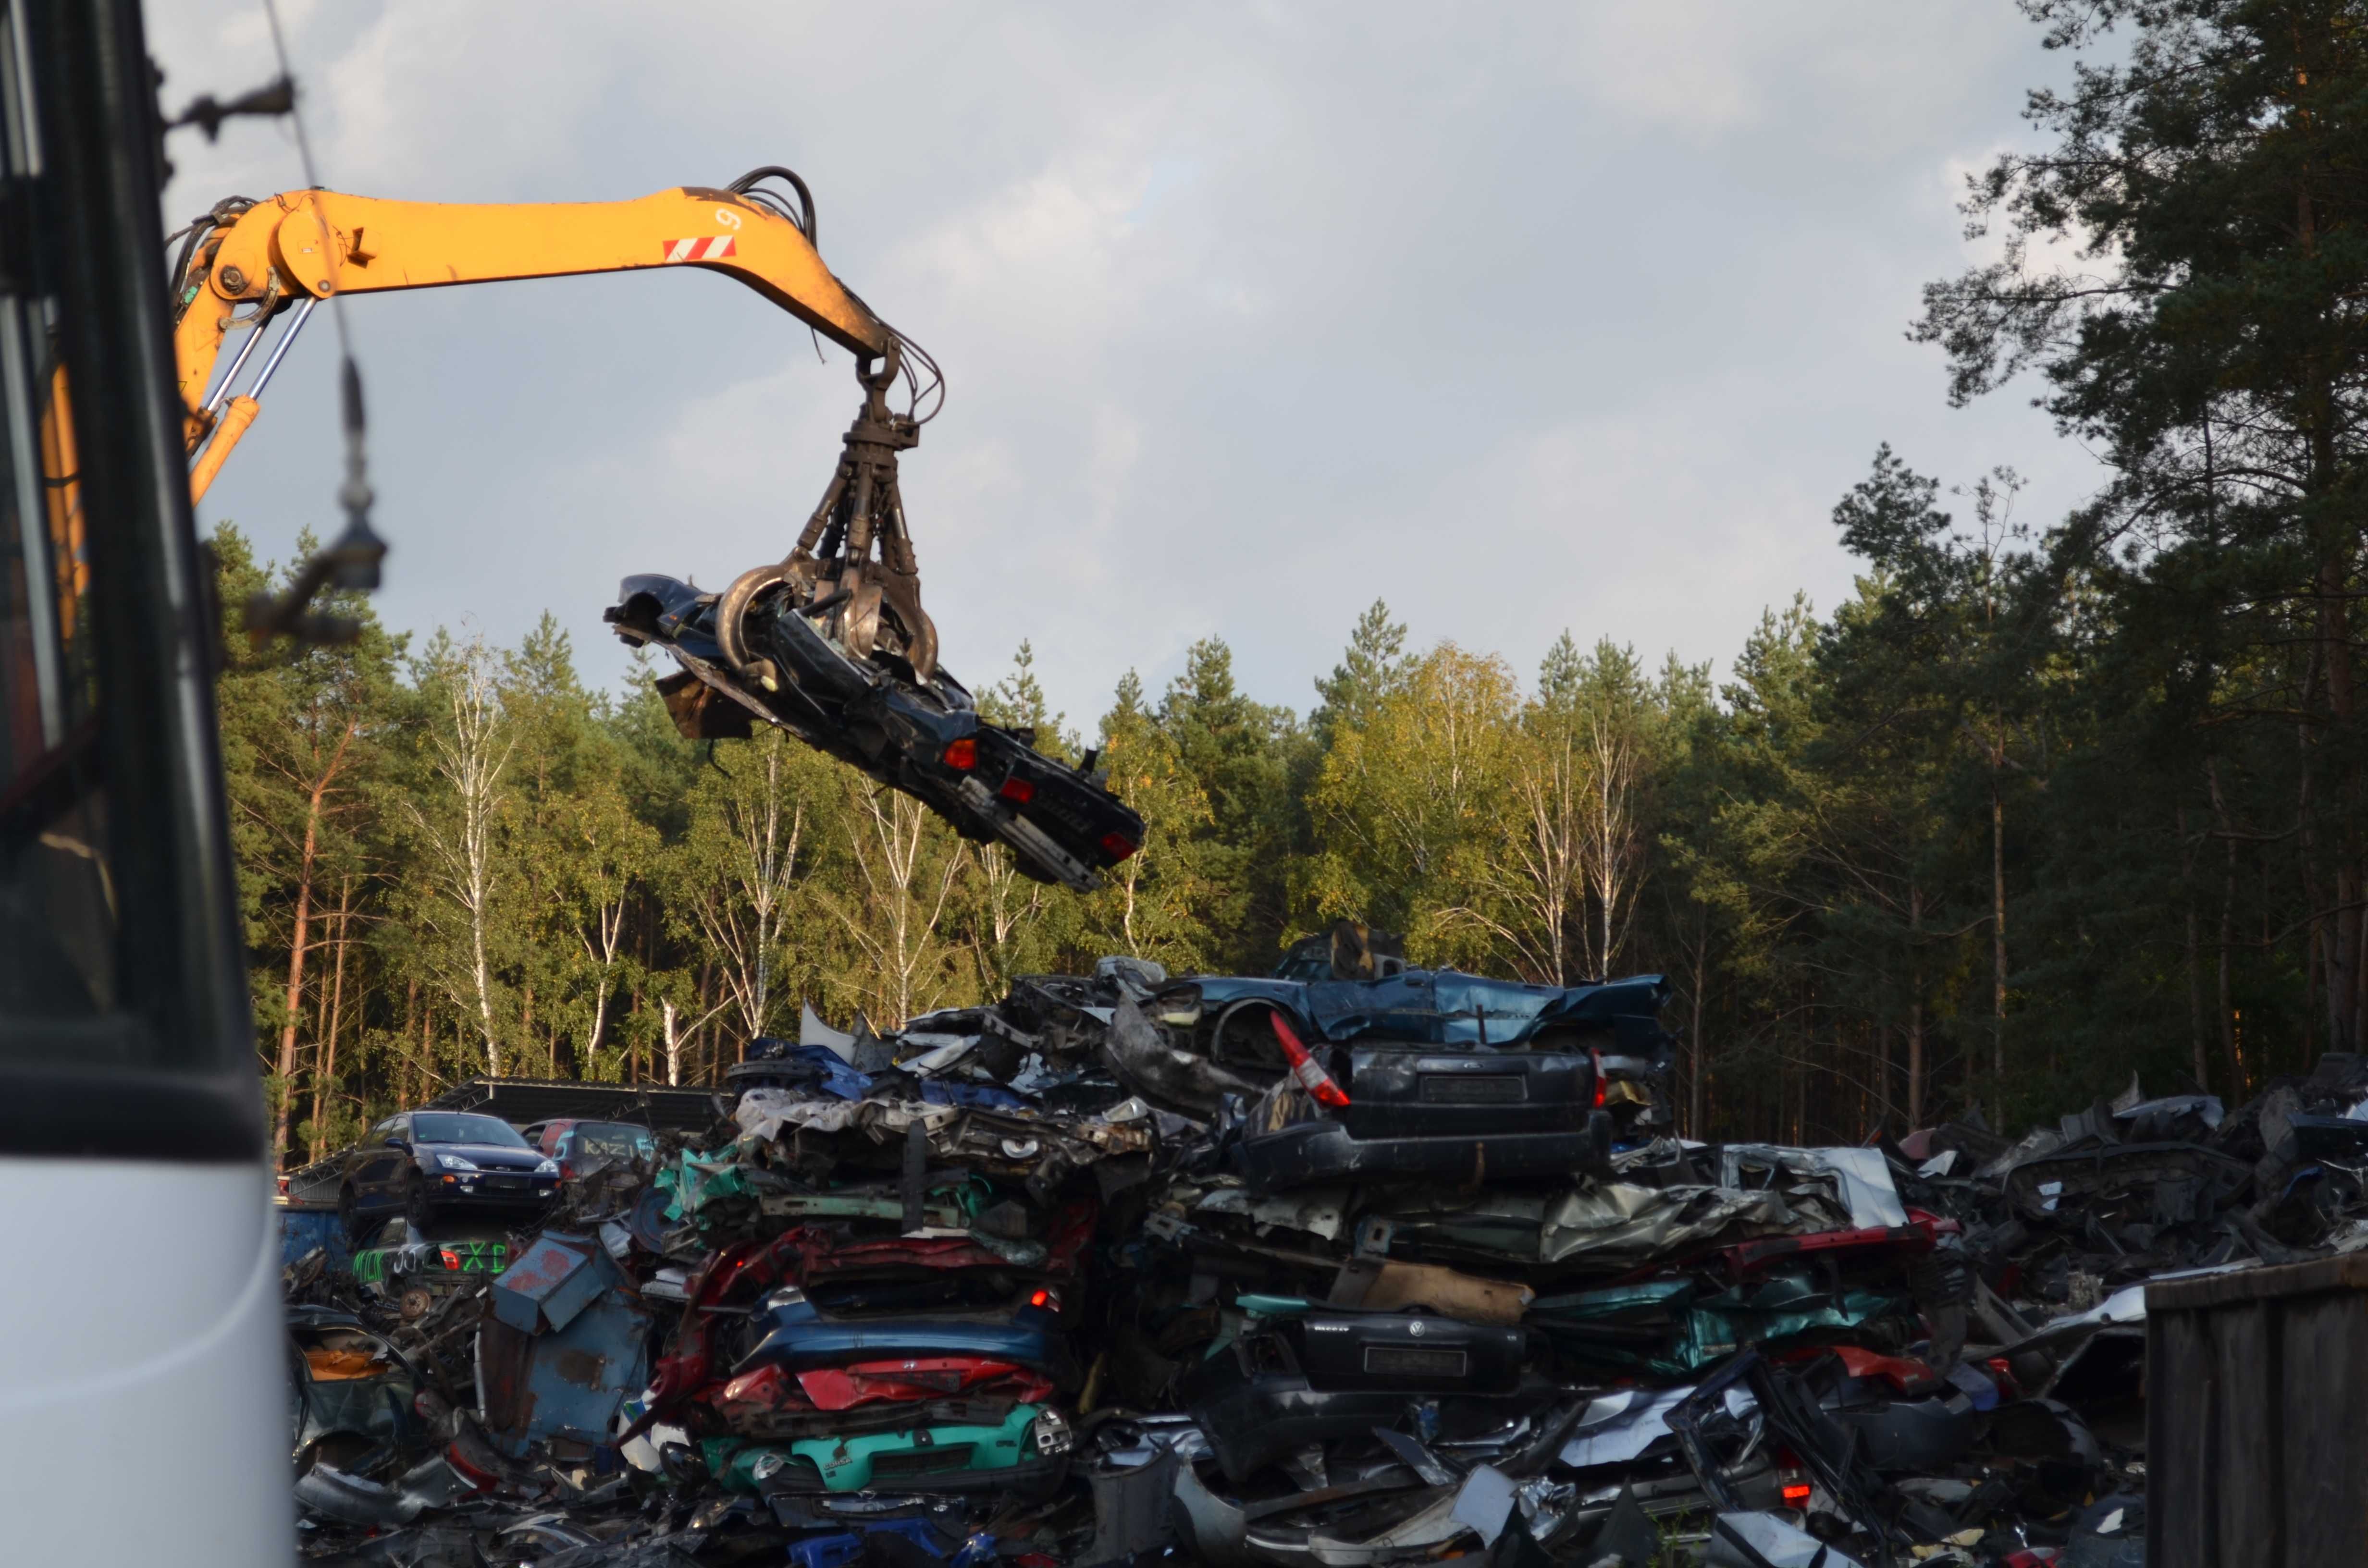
(469, 746)
(747, 833)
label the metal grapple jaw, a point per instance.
(853, 569)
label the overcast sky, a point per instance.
(1523, 318)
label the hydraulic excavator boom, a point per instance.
(247, 264)
(288, 252)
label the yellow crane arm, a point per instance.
(302, 246)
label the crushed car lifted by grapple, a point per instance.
(872, 711)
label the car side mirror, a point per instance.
(400, 1143)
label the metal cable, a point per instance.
(357, 554)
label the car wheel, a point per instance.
(418, 1207)
(349, 1216)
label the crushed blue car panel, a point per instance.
(556, 1277)
(1449, 1007)
(842, 1547)
(568, 1343)
(792, 1333)
(816, 1069)
(304, 1227)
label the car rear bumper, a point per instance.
(1254, 1420)
(1309, 1153)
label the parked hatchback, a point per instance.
(586, 1148)
(426, 1163)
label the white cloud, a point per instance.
(1835, 76)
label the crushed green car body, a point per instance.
(873, 1459)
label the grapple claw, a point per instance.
(856, 553)
(733, 607)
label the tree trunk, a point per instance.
(599, 1026)
(483, 974)
(296, 948)
(1916, 1008)
(2344, 993)
(1998, 951)
(1694, 1087)
(2194, 968)
(326, 1074)
(2227, 1007)
(2236, 1089)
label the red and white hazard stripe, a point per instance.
(712, 248)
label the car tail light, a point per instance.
(1796, 1494)
(961, 755)
(1118, 846)
(1306, 1068)
(451, 1259)
(1597, 1057)
(1018, 790)
(1048, 1300)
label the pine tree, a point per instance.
(2206, 340)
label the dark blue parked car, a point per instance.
(426, 1163)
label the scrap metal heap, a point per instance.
(1378, 1266)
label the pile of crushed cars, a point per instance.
(1353, 1264)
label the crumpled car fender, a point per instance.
(1139, 1053)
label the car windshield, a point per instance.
(450, 1126)
(617, 1138)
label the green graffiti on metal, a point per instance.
(378, 1264)
(481, 1257)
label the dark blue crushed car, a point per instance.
(754, 652)
(1381, 1071)
(794, 1330)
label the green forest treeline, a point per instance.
(2037, 808)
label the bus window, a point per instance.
(57, 926)
(124, 1026)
